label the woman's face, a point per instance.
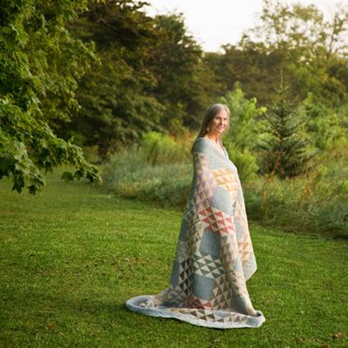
(219, 123)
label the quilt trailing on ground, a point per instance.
(214, 256)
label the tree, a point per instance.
(40, 66)
(321, 123)
(117, 103)
(310, 45)
(253, 67)
(176, 61)
(150, 77)
(245, 131)
(285, 154)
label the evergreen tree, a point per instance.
(285, 153)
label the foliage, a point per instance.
(249, 64)
(157, 148)
(184, 84)
(246, 123)
(299, 26)
(159, 170)
(150, 76)
(116, 104)
(245, 161)
(40, 65)
(294, 40)
(105, 74)
(245, 132)
(285, 154)
(130, 174)
(308, 203)
(322, 124)
(312, 48)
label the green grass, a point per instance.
(72, 256)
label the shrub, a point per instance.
(245, 162)
(312, 204)
(309, 204)
(245, 131)
(158, 171)
(324, 125)
(157, 148)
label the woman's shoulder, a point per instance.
(200, 144)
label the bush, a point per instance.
(245, 162)
(245, 131)
(158, 171)
(157, 148)
(324, 125)
(129, 176)
(313, 204)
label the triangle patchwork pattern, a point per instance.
(226, 179)
(185, 276)
(217, 221)
(206, 266)
(222, 293)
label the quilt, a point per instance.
(214, 254)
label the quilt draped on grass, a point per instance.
(214, 256)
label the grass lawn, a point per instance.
(71, 256)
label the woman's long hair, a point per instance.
(211, 112)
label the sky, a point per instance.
(217, 22)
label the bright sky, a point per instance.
(217, 22)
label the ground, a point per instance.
(71, 256)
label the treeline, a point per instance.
(152, 75)
(103, 73)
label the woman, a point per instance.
(214, 256)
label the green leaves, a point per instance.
(40, 65)
(305, 45)
(245, 131)
(285, 150)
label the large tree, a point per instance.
(117, 105)
(312, 47)
(40, 66)
(184, 84)
(297, 41)
(150, 76)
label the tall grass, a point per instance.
(311, 204)
(157, 149)
(161, 171)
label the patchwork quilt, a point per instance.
(214, 254)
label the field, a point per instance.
(71, 257)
